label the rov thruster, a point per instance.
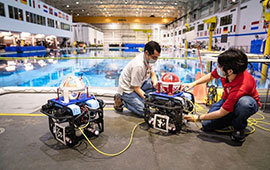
(165, 107)
(74, 108)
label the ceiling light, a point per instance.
(175, 3)
(67, 6)
(77, 2)
(169, 11)
(105, 9)
(87, 13)
(150, 2)
(101, 2)
(137, 9)
(82, 10)
(71, 11)
(78, 14)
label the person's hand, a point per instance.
(188, 86)
(191, 118)
(155, 85)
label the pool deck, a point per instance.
(27, 143)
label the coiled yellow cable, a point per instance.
(110, 154)
(252, 122)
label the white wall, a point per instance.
(13, 25)
(87, 33)
(125, 33)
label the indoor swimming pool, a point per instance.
(102, 68)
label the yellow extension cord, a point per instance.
(110, 154)
(252, 122)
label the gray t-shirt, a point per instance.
(134, 74)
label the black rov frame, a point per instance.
(164, 112)
(64, 125)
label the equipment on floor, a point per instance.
(74, 111)
(165, 107)
(212, 95)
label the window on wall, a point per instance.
(20, 15)
(34, 18)
(50, 22)
(184, 31)
(2, 10)
(200, 27)
(226, 20)
(57, 24)
(10, 11)
(65, 26)
(191, 28)
(179, 32)
(15, 13)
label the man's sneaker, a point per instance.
(238, 136)
(118, 104)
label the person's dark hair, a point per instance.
(233, 59)
(151, 46)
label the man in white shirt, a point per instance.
(137, 79)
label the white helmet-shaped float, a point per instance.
(71, 87)
(170, 83)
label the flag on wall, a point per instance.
(255, 25)
(59, 14)
(24, 1)
(55, 14)
(63, 16)
(30, 2)
(34, 4)
(225, 30)
(67, 17)
(51, 11)
(45, 8)
(265, 24)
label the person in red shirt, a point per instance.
(240, 99)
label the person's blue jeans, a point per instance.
(134, 102)
(245, 107)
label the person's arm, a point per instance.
(213, 115)
(139, 91)
(154, 79)
(206, 78)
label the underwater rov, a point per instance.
(164, 108)
(74, 108)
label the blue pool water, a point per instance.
(44, 72)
